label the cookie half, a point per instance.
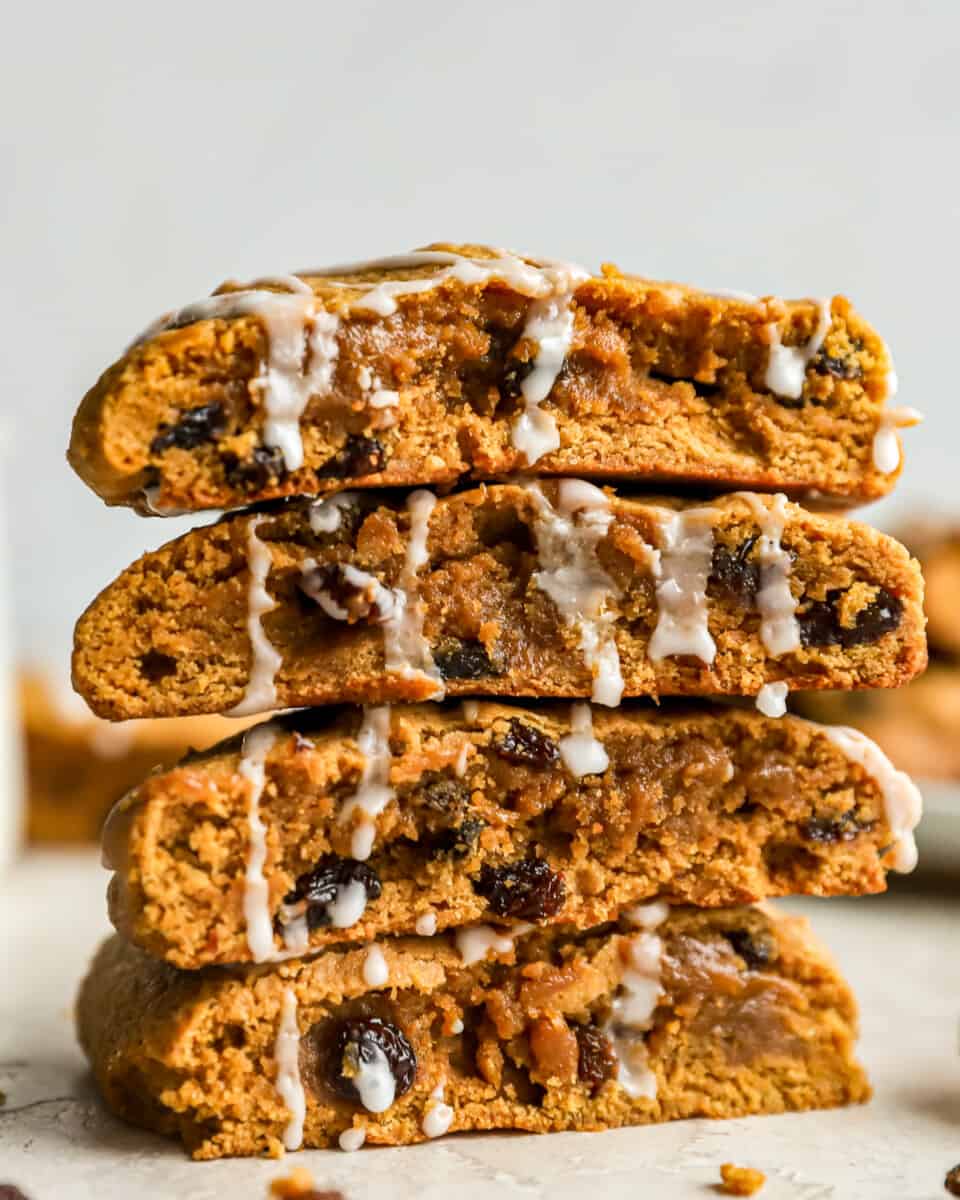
(322, 828)
(540, 589)
(462, 361)
(689, 1013)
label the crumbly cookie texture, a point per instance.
(715, 1013)
(76, 766)
(553, 589)
(937, 546)
(479, 366)
(918, 726)
(486, 818)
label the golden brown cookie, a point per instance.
(322, 828)
(717, 1013)
(552, 589)
(465, 362)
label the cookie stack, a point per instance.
(507, 891)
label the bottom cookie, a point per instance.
(673, 1013)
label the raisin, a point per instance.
(253, 474)
(952, 1180)
(597, 1058)
(527, 746)
(481, 378)
(840, 366)
(842, 828)
(528, 890)
(362, 1042)
(514, 373)
(456, 843)
(820, 623)
(445, 795)
(358, 456)
(196, 426)
(321, 886)
(155, 666)
(463, 660)
(756, 949)
(347, 594)
(733, 575)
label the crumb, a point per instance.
(741, 1181)
(952, 1181)
(299, 1185)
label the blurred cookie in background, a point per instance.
(77, 765)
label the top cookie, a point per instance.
(462, 361)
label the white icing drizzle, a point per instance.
(382, 603)
(779, 630)
(633, 1008)
(582, 753)
(456, 1025)
(326, 515)
(438, 1116)
(475, 942)
(374, 792)
(571, 575)
(787, 365)
(352, 1139)
(377, 396)
(682, 569)
(772, 699)
(296, 935)
(426, 924)
(256, 894)
(374, 1080)
(288, 1083)
(407, 651)
(460, 766)
(550, 325)
(151, 498)
(903, 804)
(299, 331)
(348, 905)
(886, 445)
(261, 690)
(375, 970)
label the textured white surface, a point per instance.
(901, 953)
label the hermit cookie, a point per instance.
(469, 362)
(680, 1013)
(543, 589)
(311, 831)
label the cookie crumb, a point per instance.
(299, 1185)
(952, 1180)
(741, 1181)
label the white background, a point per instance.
(152, 150)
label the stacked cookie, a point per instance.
(508, 891)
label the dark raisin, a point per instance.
(463, 660)
(514, 373)
(481, 378)
(358, 456)
(842, 828)
(841, 367)
(155, 666)
(528, 890)
(527, 746)
(337, 590)
(322, 885)
(820, 623)
(362, 1043)
(196, 426)
(733, 575)
(455, 843)
(442, 794)
(597, 1058)
(952, 1180)
(756, 949)
(253, 474)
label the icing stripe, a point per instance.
(682, 569)
(261, 691)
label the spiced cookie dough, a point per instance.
(465, 362)
(321, 828)
(718, 1013)
(552, 590)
